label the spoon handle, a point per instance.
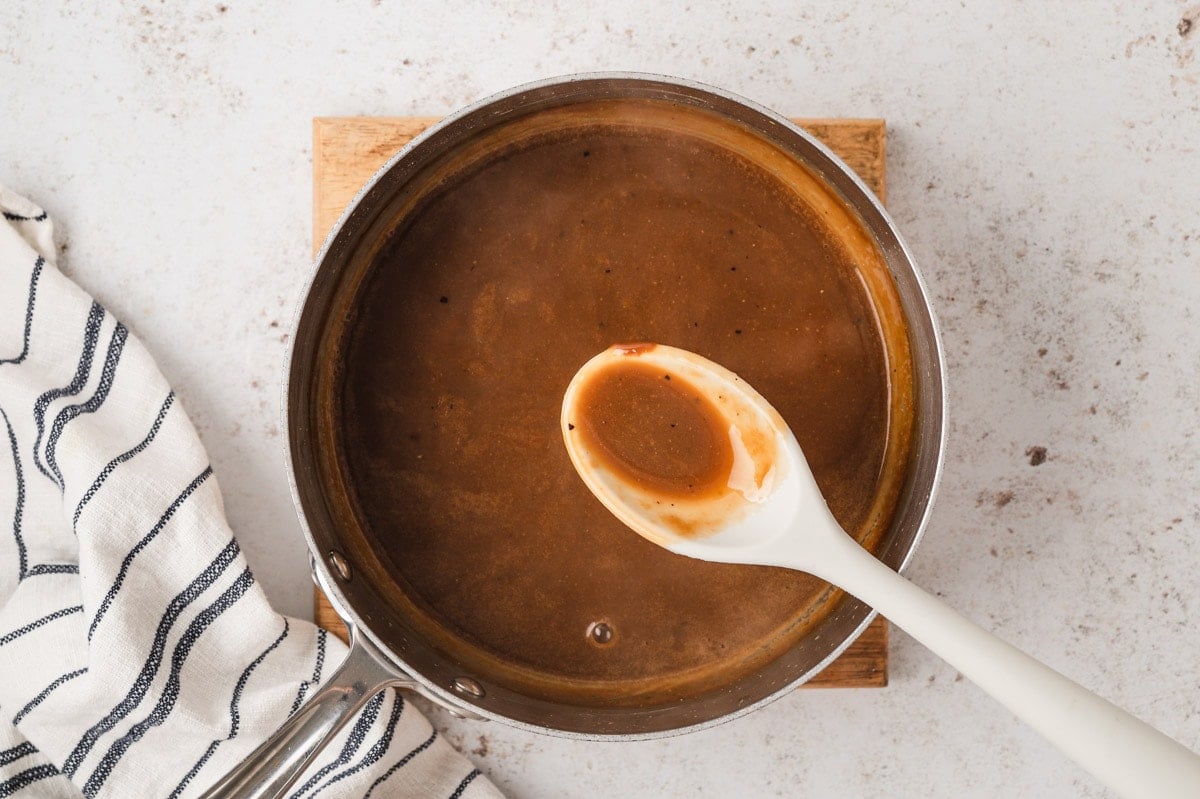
(1127, 754)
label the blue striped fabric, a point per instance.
(318, 667)
(94, 488)
(234, 713)
(41, 697)
(16, 753)
(358, 732)
(91, 333)
(38, 263)
(138, 655)
(373, 754)
(107, 374)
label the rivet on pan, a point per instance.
(465, 685)
(340, 567)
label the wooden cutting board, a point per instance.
(347, 151)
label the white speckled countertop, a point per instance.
(1043, 165)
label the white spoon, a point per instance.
(765, 508)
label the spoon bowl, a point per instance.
(768, 510)
(764, 485)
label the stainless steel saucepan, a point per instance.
(386, 649)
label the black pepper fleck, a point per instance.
(444, 300)
(1037, 455)
(570, 426)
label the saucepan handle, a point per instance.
(271, 768)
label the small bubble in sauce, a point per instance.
(600, 632)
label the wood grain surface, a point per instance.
(347, 151)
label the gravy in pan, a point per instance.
(599, 227)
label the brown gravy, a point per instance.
(519, 267)
(659, 433)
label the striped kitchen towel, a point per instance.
(138, 657)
